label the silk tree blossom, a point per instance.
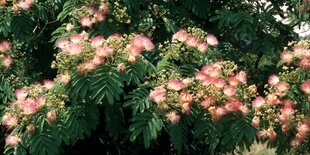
(208, 102)
(272, 99)
(282, 88)
(121, 67)
(48, 84)
(97, 41)
(86, 21)
(258, 102)
(7, 62)
(217, 112)
(305, 62)
(303, 128)
(12, 140)
(73, 49)
(233, 80)
(175, 84)
(173, 117)
(273, 79)
(286, 127)
(287, 111)
(181, 35)
(255, 121)
(132, 59)
(25, 4)
(29, 106)
(233, 105)
(242, 77)
(76, 38)
(219, 83)
(64, 78)
(9, 121)
(300, 51)
(158, 95)
(305, 87)
(98, 60)
(20, 94)
(185, 100)
(212, 40)
(62, 43)
(286, 57)
(230, 90)
(105, 51)
(192, 41)
(51, 116)
(202, 47)
(5, 46)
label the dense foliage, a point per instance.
(153, 76)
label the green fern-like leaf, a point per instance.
(114, 118)
(79, 86)
(148, 125)
(138, 99)
(135, 73)
(106, 85)
(178, 135)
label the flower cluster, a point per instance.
(5, 47)
(287, 99)
(21, 4)
(31, 102)
(218, 87)
(189, 45)
(94, 15)
(78, 51)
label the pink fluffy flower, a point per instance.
(5, 46)
(97, 41)
(272, 99)
(217, 112)
(305, 87)
(62, 43)
(282, 88)
(229, 90)
(105, 51)
(200, 76)
(286, 57)
(73, 49)
(174, 84)
(273, 79)
(219, 83)
(64, 78)
(255, 121)
(158, 95)
(202, 47)
(99, 16)
(20, 94)
(131, 59)
(7, 62)
(300, 51)
(258, 102)
(147, 43)
(244, 110)
(48, 84)
(9, 121)
(98, 60)
(207, 102)
(104, 8)
(86, 21)
(303, 128)
(51, 116)
(29, 106)
(173, 117)
(25, 4)
(76, 38)
(242, 77)
(233, 105)
(192, 41)
(12, 140)
(285, 127)
(181, 35)
(233, 80)
(305, 62)
(212, 40)
(271, 134)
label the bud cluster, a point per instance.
(32, 102)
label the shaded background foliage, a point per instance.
(249, 33)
